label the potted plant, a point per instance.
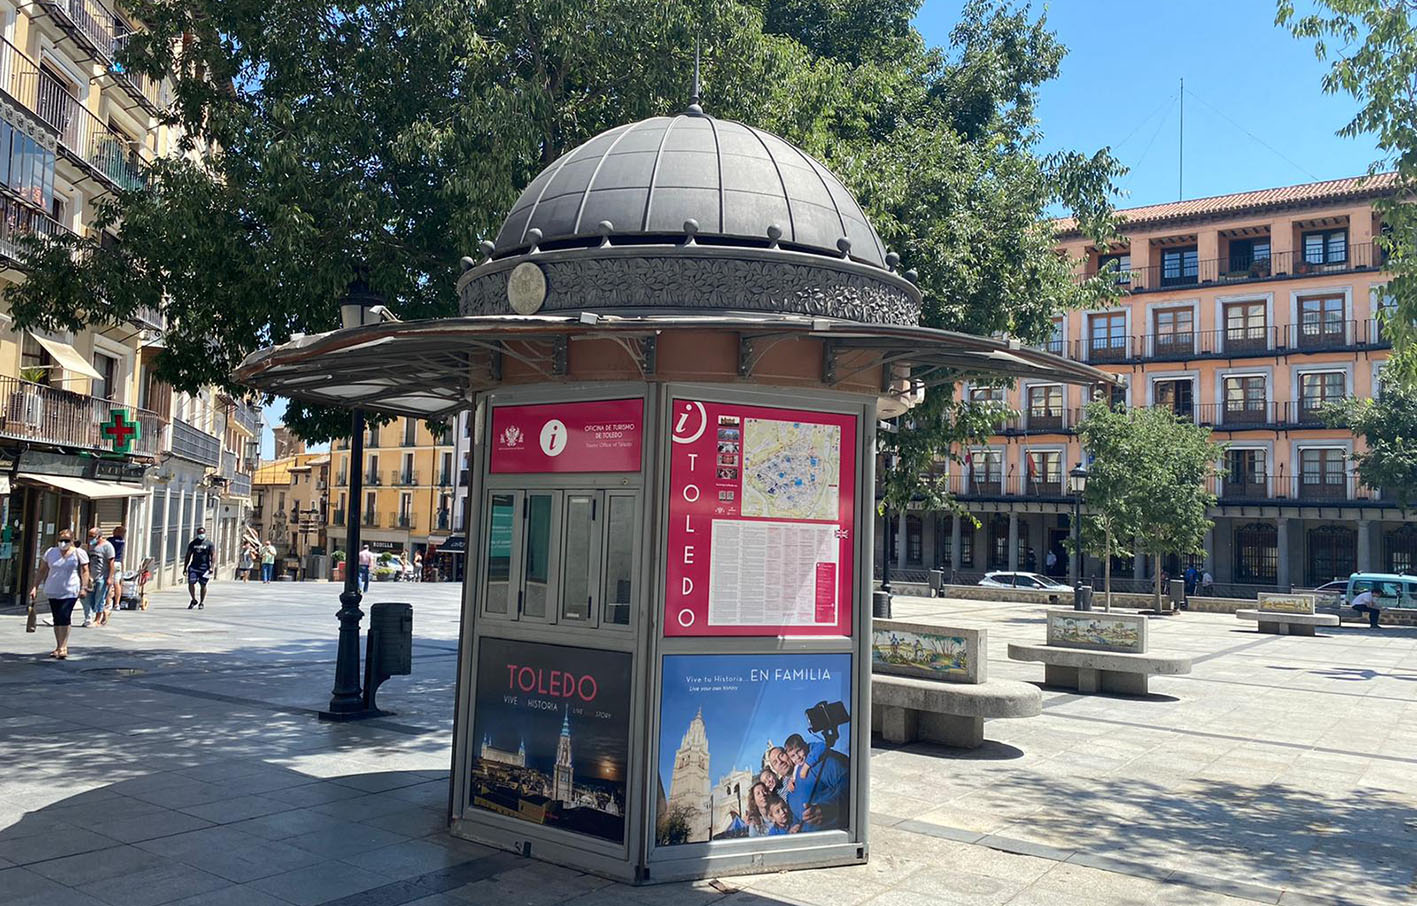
(337, 558)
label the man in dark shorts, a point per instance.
(198, 566)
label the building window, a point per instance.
(999, 542)
(1332, 554)
(1245, 401)
(1045, 472)
(1122, 264)
(1245, 475)
(986, 471)
(1107, 337)
(1178, 396)
(1249, 257)
(410, 432)
(1257, 554)
(407, 477)
(1175, 331)
(1400, 549)
(986, 394)
(373, 439)
(914, 541)
(1316, 388)
(1245, 326)
(1056, 338)
(1326, 247)
(1179, 266)
(1321, 321)
(1322, 474)
(28, 168)
(1045, 407)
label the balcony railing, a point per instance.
(18, 220)
(195, 444)
(227, 468)
(240, 485)
(89, 22)
(370, 519)
(339, 517)
(247, 416)
(139, 85)
(403, 478)
(1221, 271)
(36, 412)
(1239, 414)
(1231, 342)
(1322, 486)
(372, 478)
(404, 520)
(445, 479)
(982, 484)
(443, 521)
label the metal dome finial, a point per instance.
(695, 109)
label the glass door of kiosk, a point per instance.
(561, 556)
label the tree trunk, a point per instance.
(1107, 574)
(1156, 563)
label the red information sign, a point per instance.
(599, 436)
(761, 515)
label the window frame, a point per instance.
(1326, 246)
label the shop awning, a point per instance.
(84, 487)
(67, 356)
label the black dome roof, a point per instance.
(652, 176)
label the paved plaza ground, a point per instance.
(175, 758)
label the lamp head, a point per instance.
(360, 304)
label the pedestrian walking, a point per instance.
(268, 562)
(103, 562)
(417, 566)
(198, 565)
(63, 574)
(1366, 602)
(1207, 583)
(366, 564)
(119, 539)
(248, 563)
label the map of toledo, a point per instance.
(791, 470)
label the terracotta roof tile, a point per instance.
(1261, 199)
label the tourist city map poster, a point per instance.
(753, 746)
(551, 735)
(596, 436)
(761, 516)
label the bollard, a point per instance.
(937, 582)
(1082, 597)
(881, 605)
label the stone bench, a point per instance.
(930, 683)
(1288, 623)
(1098, 652)
(1099, 671)
(905, 709)
(1288, 614)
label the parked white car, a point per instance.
(1030, 581)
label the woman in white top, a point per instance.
(64, 575)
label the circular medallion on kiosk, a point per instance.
(526, 288)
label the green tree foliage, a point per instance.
(1371, 46)
(1147, 480)
(397, 133)
(1388, 426)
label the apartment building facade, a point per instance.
(409, 477)
(1245, 313)
(292, 504)
(87, 434)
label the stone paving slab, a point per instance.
(174, 758)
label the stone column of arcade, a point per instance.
(677, 349)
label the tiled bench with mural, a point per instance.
(1287, 615)
(1098, 652)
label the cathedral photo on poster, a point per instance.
(753, 746)
(551, 735)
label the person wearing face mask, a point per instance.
(115, 587)
(102, 563)
(198, 565)
(63, 574)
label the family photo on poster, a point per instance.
(551, 735)
(753, 746)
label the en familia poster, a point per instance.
(753, 746)
(761, 516)
(551, 735)
(596, 436)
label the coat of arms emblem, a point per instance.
(511, 436)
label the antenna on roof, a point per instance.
(1181, 147)
(694, 108)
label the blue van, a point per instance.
(1390, 590)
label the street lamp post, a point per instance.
(359, 307)
(1077, 484)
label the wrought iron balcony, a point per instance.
(43, 414)
(404, 478)
(240, 485)
(1245, 269)
(405, 520)
(19, 220)
(195, 444)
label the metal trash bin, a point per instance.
(390, 647)
(881, 605)
(937, 582)
(1082, 597)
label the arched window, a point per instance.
(1332, 553)
(1400, 549)
(1256, 554)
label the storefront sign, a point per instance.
(761, 516)
(118, 470)
(121, 432)
(551, 735)
(43, 462)
(753, 746)
(599, 436)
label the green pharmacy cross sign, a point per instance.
(121, 432)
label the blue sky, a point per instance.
(1255, 112)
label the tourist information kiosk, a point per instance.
(676, 351)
